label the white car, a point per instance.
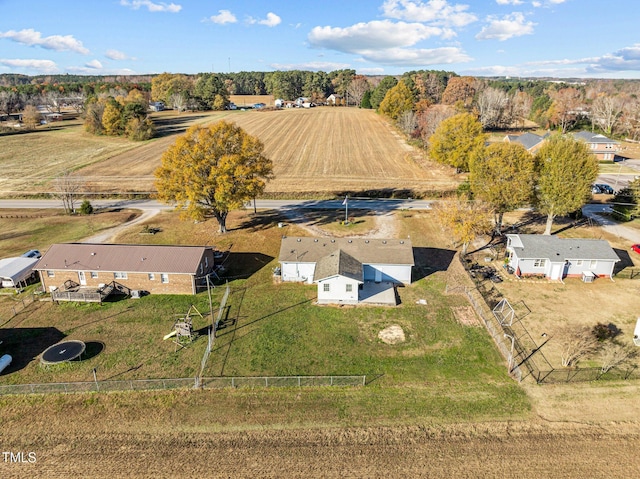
(32, 253)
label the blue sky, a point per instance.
(561, 38)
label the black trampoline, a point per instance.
(62, 352)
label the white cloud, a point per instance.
(438, 12)
(270, 21)
(370, 71)
(151, 6)
(408, 57)
(117, 55)
(509, 26)
(223, 16)
(94, 64)
(41, 66)
(509, 2)
(536, 4)
(311, 66)
(372, 35)
(86, 70)
(54, 42)
(557, 1)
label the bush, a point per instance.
(86, 208)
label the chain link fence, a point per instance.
(177, 383)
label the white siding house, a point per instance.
(342, 267)
(557, 258)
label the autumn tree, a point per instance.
(564, 111)
(502, 175)
(397, 101)
(460, 89)
(165, 85)
(465, 220)
(31, 117)
(429, 119)
(455, 140)
(566, 169)
(213, 170)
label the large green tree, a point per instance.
(210, 92)
(456, 139)
(566, 169)
(502, 175)
(213, 170)
(380, 91)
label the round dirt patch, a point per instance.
(392, 335)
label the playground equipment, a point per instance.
(183, 328)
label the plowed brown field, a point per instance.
(313, 150)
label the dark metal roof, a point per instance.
(122, 257)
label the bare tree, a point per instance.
(10, 101)
(52, 100)
(492, 105)
(178, 101)
(357, 88)
(521, 107)
(606, 111)
(630, 119)
(31, 117)
(576, 343)
(66, 188)
(614, 354)
(407, 122)
(77, 101)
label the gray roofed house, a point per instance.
(530, 141)
(557, 258)
(347, 270)
(338, 263)
(604, 148)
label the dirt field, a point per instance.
(319, 150)
(322, 150)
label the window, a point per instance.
(326, 287)
(539, 263)
(94, 274)
(164, 278)
(206, 261)
(593, 263)
(152, 276)
(120, 275)
(579, 262)
(349, 288)
(51, 274)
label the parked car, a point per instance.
(32, 253)
(595, 189)
(604, 188)
(636, 248)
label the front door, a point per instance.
(82, 278)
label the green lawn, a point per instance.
(444, 371)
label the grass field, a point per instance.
(324, 151)
(439, 404)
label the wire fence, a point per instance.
(518, 347)
(183, 383)
(21, 304)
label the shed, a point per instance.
(15, 270)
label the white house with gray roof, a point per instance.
(557, 258)
(346, 269)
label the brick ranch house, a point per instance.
(156, 269)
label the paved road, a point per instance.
(355, 203)
(601, 215)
